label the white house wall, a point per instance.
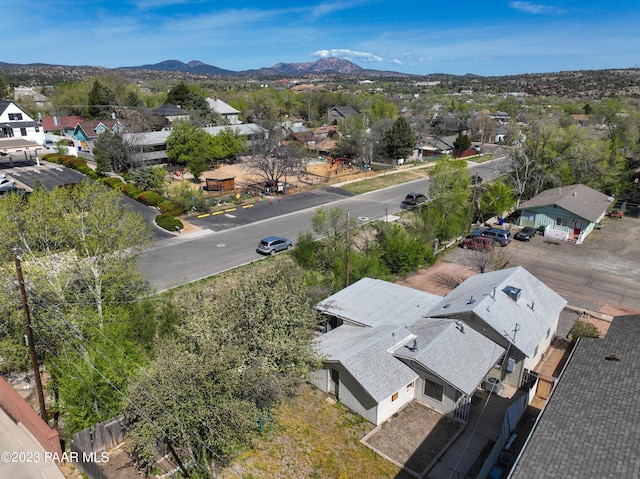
(391, 405)
(353, 396)
(33, 133)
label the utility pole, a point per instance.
(473, 204)
(346, 273)
(32, 345)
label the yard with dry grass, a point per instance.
(313, 437)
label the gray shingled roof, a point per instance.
(364, 354)
(590, 425)
(459, 355)
(160, 137)
(217, 105)
(372, 302)
(486, 296)
(580, 200)
(169, 109)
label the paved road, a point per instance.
(230, 240)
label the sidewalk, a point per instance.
(21, 456)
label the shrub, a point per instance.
(131, 190)
(169, 223)
(401, 253)
(305, 253)
(582, 329)
(85, 170)
(171, 207)
(150, 198)
(113, 182)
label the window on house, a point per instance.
(562, 221)
(15, 116)
(37, 129)
(535, 353)
(23, 132)
(433, 390)
(394, 397)
(548, 332)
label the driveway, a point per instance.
(604, 269)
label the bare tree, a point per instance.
(272, 160)
(483, 261)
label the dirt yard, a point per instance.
(317, 173)
(414, 436)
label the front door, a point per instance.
(577, 228)
(334, 383)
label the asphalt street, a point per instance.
(230, 239)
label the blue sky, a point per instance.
(414, 36)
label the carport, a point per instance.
(11, 147)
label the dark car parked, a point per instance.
(273, 244)
(414, 199)
(526, 233)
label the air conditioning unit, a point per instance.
(493, 385)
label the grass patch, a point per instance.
(384, 180)
(313, 438)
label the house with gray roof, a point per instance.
(171, 112)
(151, 146)
(589, 425)
(568, 212)
(511, 307)
(229, 113)
(338, 115)
(385, 345)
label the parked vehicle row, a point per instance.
(499, 236)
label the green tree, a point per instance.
(187, 98)
(4, 88)
(462, 142)
(81, 241)
(495, 199)
(101, 101)
(112, 153)
(78, 248)
(380, 108)
(133, 100)
(399, 140)
(400, 252)
(257, 330)
(192, 146)
(449, 210)
(150, 179)
(229, 145)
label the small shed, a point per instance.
(222, 184)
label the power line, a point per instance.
(138, 408)
(153, 399)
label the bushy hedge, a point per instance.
(169, 223)
(113, 182)
(131, 190)
(171, 207)
(150, 198)
(73, 162)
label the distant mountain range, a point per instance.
(585, 84)
(335, 66)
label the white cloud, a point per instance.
(534, 8)
(348, 55)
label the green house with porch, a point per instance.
(569, 213)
